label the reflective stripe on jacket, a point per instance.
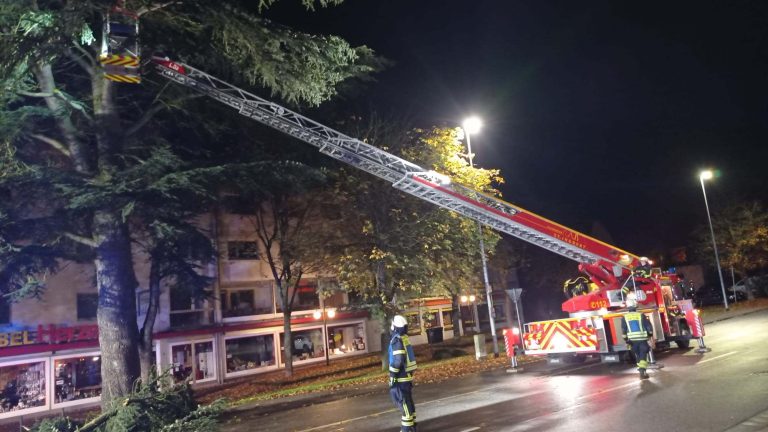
(402, 359)
(635, 328)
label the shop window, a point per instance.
(77, 378)
(250, 352)
(86, 306)
(414, 324)
(22, 386)
(256, 300)
(193, 361)
(346, 339)
(306, 297)
(307, 344)
(242, 250)
(431, 319)
(447, 319)
(5, 311)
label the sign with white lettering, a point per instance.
(50, 334)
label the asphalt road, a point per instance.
(723, 390)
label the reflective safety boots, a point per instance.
(643, 374)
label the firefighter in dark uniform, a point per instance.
(637, 330)
(402, 364)
(644, 269)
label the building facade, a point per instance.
(49, 354)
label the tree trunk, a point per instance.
(118, 332)
(145, 335)
(386, 335)
(287, 343)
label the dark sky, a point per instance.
(593, 111)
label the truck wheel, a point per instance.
(683, 340)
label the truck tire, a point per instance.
(683, 340)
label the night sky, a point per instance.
(594, 112)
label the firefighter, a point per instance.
(637, 330)
(402, 364)
(575, 287)
(644, 269)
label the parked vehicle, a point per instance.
(713, 295)
(708, 295)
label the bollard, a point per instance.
(480, 350)
(511, 338)
(652, 364)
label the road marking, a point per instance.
(339, 423)
(756, 423)
(471, 429)
(718, 357)
(342, 422)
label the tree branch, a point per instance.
(87, 66)
(58, 145)
(80, 239)
(34, 94)
(154, 109)
(147, 9)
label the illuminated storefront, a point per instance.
(48, 367)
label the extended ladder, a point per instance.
(403, 174)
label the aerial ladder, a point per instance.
(594, 323)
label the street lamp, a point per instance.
(708, 175)
(472, 125)
(325, 314)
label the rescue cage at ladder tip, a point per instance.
(592, 325)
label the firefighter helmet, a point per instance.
(398, 321)
(644, 260)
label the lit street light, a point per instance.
(708, 175)
(472, 125)
(325, 314)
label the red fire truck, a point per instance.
(594, 325)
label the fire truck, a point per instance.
(594, 323)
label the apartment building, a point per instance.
(49, 354)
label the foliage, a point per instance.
(294, 218)
(402, 248)
(91, 167)
(172, 409)
(741, 232)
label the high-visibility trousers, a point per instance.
(402, 397)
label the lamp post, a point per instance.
(472, 125)
(325, 314)
(708, 175)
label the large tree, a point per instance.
(741, 232)
(402, 248)
(295, 218)
(89, 165)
